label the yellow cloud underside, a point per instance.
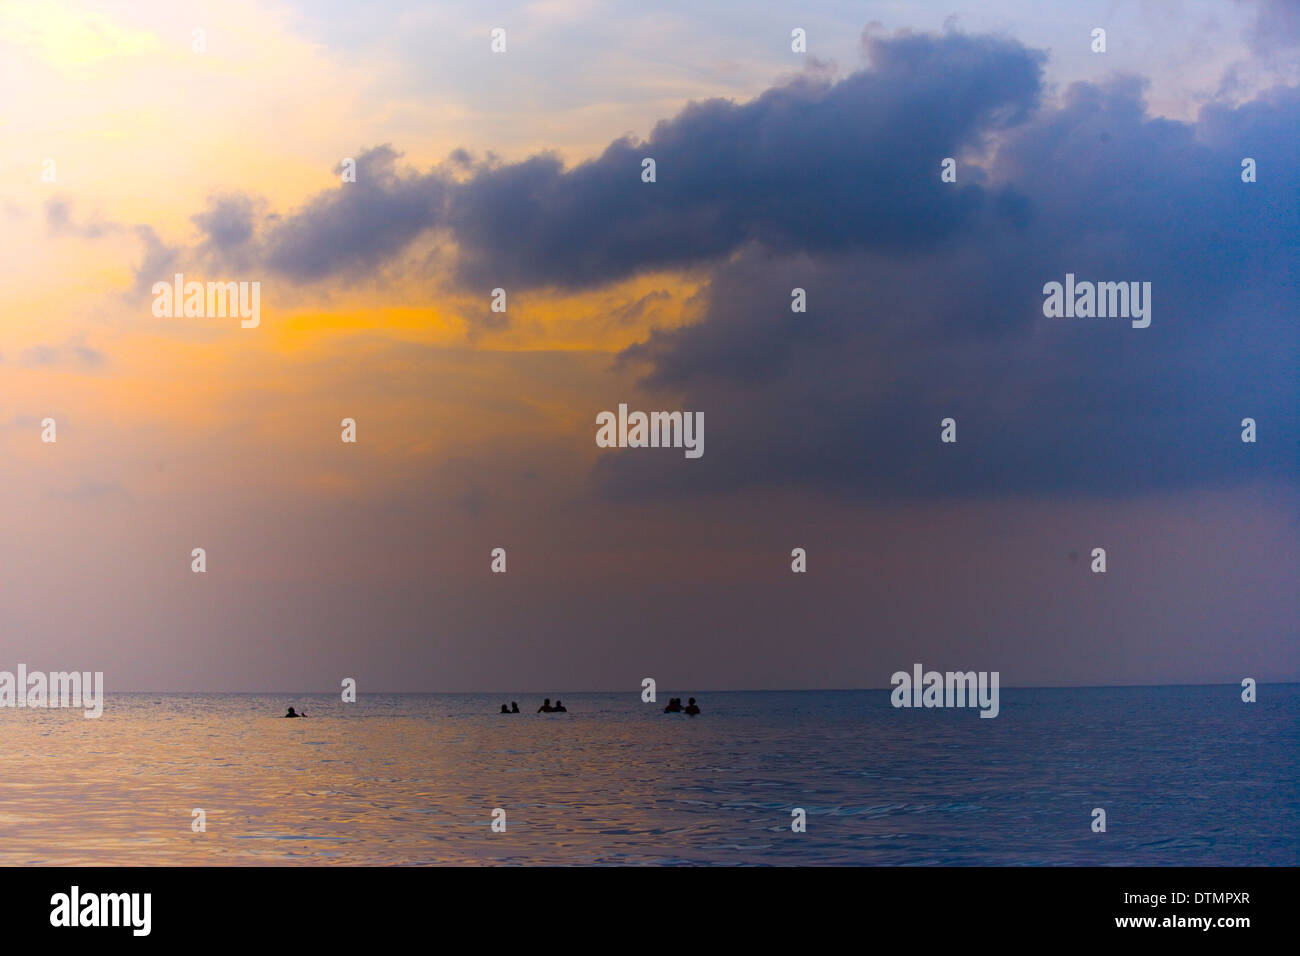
(65, 38)
(603, 320)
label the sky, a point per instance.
(129, 156)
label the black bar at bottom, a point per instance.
(550, 907)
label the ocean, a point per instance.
(1186, 775)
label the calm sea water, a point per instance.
(1187, 775)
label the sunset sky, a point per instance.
(476, 430)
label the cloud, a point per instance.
(157, 262)
(158, 256)
(1277, 25)
(58, 217)
(850, 395)
(228, 222)
(925, 298)
(358, 226)
(812, 164)
(73, 352)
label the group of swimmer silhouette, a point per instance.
(674, 707)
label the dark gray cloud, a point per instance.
(850, 395)
(360, 225)
(229, 221)
(229, 226)
(813, 164)
(347, 231)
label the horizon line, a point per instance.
(735, 690)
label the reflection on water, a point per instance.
(1186, 775)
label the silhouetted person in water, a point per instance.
(514, 707)
(674, 706)
(692, 708)
(546, 707)
(292, 714)
(559, 708)
(505, 709)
